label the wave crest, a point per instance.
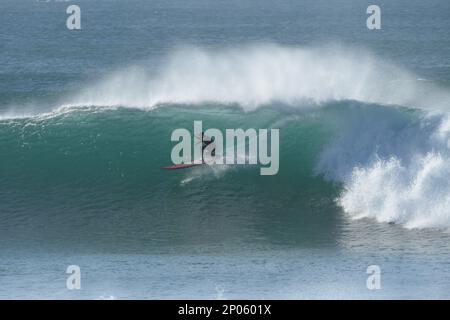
(257, 75)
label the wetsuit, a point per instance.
(206, 143)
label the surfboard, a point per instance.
(181, 166)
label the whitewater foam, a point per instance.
(417, 196)
(392, 168)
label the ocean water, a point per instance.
(85, 124)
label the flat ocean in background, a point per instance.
(85, 124)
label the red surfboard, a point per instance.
(181, 166)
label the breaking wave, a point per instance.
(388, 132)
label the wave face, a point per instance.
(357, 135)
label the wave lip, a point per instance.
(252, 76)
(256, 75)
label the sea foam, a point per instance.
(255, 75)
(393, 169)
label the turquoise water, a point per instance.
(85, 124)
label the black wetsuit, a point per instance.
(207, 143)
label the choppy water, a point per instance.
(86, 118)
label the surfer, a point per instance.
(206, 141)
